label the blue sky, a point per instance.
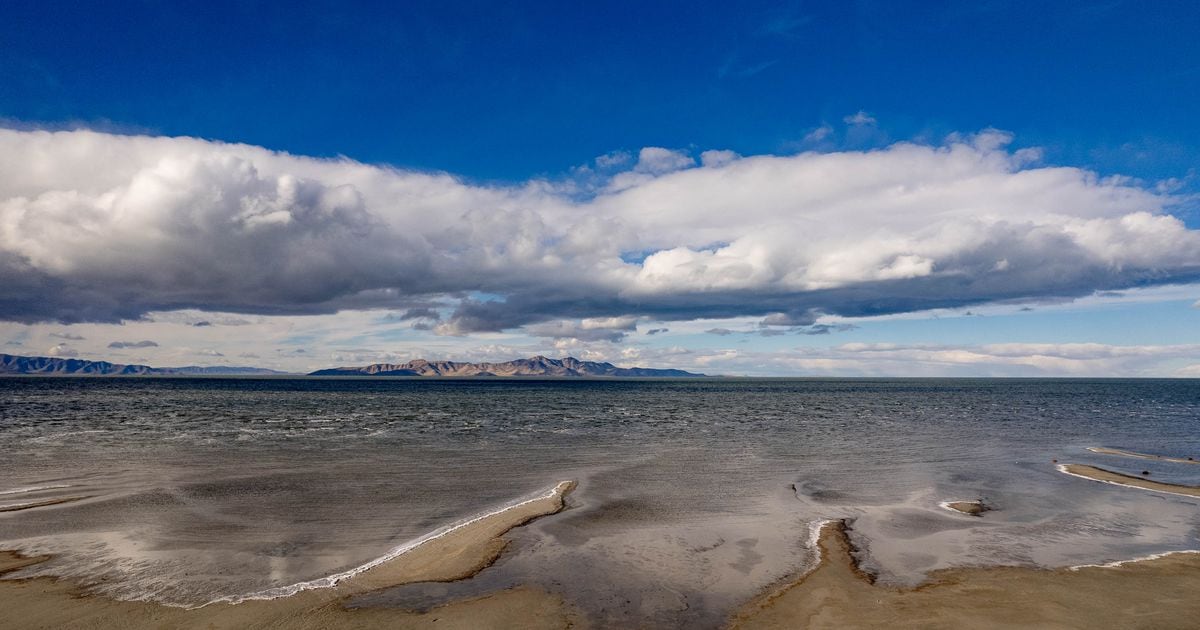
(561, 127)
(508, 92)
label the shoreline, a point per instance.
(1104, 450)
(1157, 591)
(455, 552)
(1101, 475)
(832, 590)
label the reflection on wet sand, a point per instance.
(455, 554)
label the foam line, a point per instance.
(814, 535)
(1117, 563)
(330, 581)
(33, 489)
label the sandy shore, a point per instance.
(1155, 593)
(1107, 476)
(456, 554)
(17, 507)
(1103, 450)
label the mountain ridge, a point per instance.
(14, 364)
(533, 366)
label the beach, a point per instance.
(456, 554)
(1152, 593)
(1157, 592)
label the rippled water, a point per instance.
(693, 495)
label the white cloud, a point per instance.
(1190, 371)
(716, 157)
(860, 118)
(100, 227)
(882, 359)
(817, 135)
(62, 350)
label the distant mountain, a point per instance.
(10, 364)
(536, 366)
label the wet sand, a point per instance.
(1103, 450)
(1107, 476)
(1153, 593)
(970, 508)
(17, 507)
(458, 554)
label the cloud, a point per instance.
(657, 160)
(657, 331)
(104, 228)
(817, 135)
(1015, 359)
(68, 336)
(610, 329)
(146, 343)
(825, 329)
(420, 313)
(209, 353)
(723, 332)
(62, 350)
(860, 118)
(1190, 371)
(714, 158)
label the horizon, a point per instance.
(804, 191)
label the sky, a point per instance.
(779, 189)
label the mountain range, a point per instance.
(535, 366)
(12, 364)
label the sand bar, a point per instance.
(970, 508)
(1104, 450)
(1156, 593)
(1129, 481)
(456, 553)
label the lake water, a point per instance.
(694, 494)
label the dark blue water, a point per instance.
(693, 494)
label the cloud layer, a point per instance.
(100, 227)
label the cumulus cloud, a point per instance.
(145, 343)
(62, 350)
(105, 228)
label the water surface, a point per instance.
(694, 494)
